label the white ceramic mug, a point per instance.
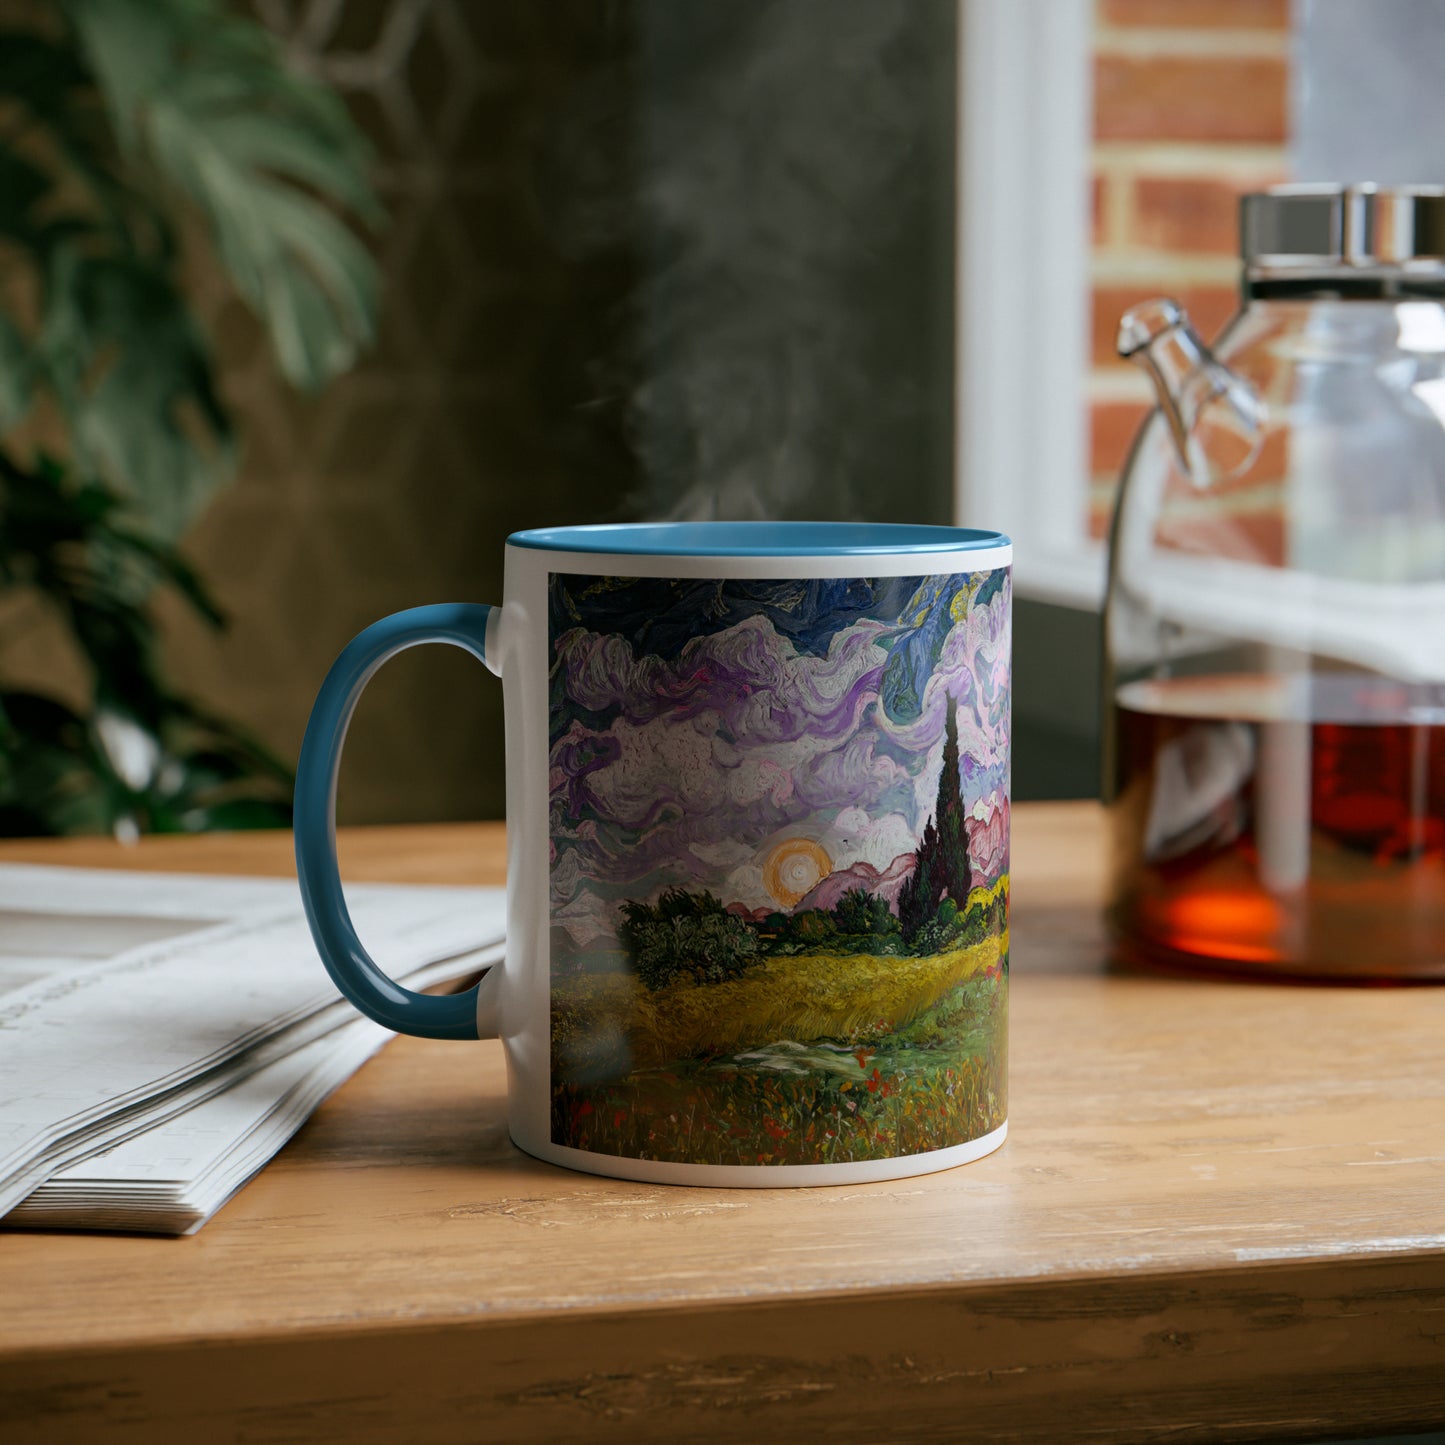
(757, 847)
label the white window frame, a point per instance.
(1025, 135)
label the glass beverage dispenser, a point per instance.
(1275, 626)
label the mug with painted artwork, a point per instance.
(758, 847)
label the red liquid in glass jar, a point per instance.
(1282, 825)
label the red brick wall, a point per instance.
(1190, 110)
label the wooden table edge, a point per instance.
(1344, 1344)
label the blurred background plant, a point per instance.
(132, 131)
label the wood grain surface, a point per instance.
(1220, 1214)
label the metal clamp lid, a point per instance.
(1315, 227)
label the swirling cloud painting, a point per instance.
(753, 779)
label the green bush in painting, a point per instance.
(981, 920)
(863, 915)
(812, 928)
(950, 928)
(686, 936)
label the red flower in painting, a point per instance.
(873, 1082)
(775, 1129)
(583, 1109)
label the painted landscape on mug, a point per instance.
(779, 819)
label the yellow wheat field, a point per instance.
(802, 998)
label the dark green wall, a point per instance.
(1056, 702)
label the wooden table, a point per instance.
(1220, 1214)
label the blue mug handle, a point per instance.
(451, 1016)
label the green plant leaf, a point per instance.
(169, 566)
(51, 778)
(22, 187)
(39, 73)
(17, 372)
(71, 543)
(134, 378)
(55, 95)
(207, 101)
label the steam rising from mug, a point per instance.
(777, 181)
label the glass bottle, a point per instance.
(1275, 623)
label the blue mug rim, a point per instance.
(758, 539)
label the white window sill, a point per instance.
(1072, 577)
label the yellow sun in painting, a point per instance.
(792, 867)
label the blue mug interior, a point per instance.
(757, 539)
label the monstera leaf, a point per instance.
(131, 368)
(203, 99)
(147, 110)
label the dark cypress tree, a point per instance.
(942, 869)
(918, 898)
(954, 877)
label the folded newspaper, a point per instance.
(162, 1035)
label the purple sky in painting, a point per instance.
(712, 758)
